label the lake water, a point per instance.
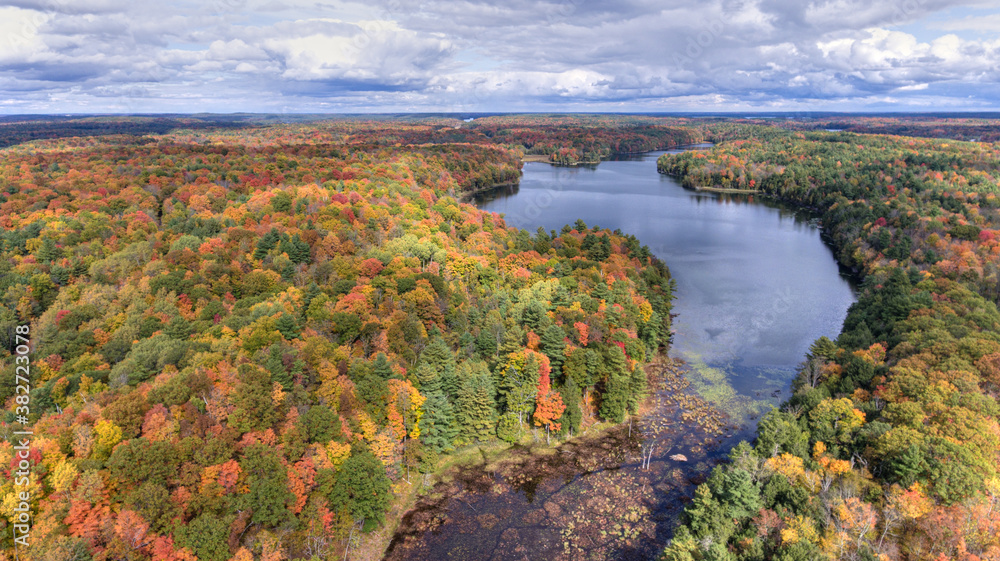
(756, 285)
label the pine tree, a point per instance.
(49, 252)
(287, 326)
(476, 408)
(583, 366)
(437, 427)
(552, 343)
(179, 328)
(637, 389)
(572, 416)
(381, 368)
(513, 341)
(438, 356)
(518, 387)
(267, 480)
(534, 315)
(615, 398)
(298, 250)
(428, 378)
(275, 364)
(601, 292)
(362, 486)
(268, 242)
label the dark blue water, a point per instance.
(756, 284)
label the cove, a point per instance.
(755, 285)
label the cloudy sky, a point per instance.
(125, 56)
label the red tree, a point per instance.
(549, 406)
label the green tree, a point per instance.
(362, 486)
(779, 432)
(617, 386)
(253, 405)
(518, 388)
(267, 481)
(573, 415)
(179, 328)
(207, 536)
(509, 428)
(438, 426)
(476, 408)
(552, 344)
(438, 357)
(739, 495)
(322, 425)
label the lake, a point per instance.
(755, 285)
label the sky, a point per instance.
(286, 56)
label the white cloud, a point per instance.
(485, 54)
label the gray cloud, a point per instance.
(270, 55)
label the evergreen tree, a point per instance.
(428, 378)
(321, 424)
(437, 427)
(275, 364)
(205, 536)
(513, 341)
(381, 368)
(518, 388)
(287, 326)
(601, 292)
(438, 356)
(486, 345)
(552, 344)
(49, 252)
(508, 428)
(572, 416)
(362, 486)
(476, 408)
(267, 242)
(636, 389)
(534, 316)
(737, 492)
(617, 385)
(299, 250)
(179, 328)
(584, 367)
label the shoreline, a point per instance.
(467, 196)
(496, 472)
(540, 158)
(724, 190)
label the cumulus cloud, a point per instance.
(391, 55)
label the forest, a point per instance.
(244, 339)
(890, 446)
(247, 336)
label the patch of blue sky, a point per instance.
(966, 22)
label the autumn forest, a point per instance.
(247, 338)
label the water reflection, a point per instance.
(755, 282)
(755, 285)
